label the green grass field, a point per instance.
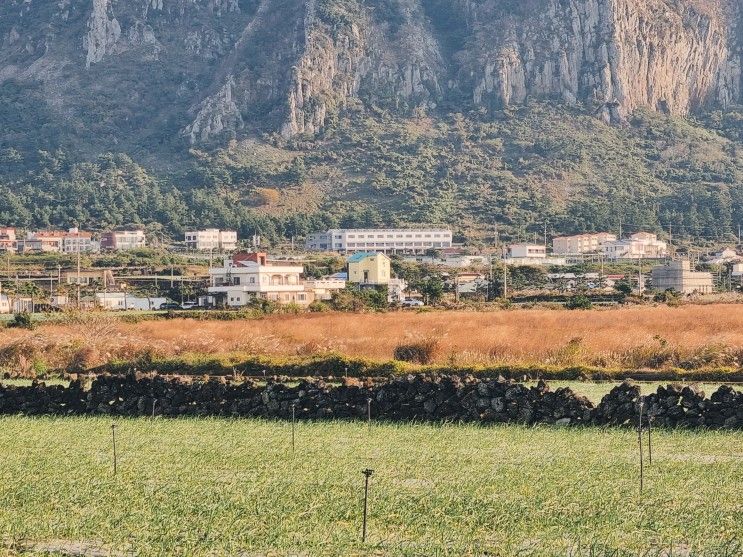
(222, 487)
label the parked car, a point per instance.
(189, 305)
(169, 306)
(412, 303)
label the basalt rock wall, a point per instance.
(412, 397)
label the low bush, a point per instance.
(579, 302)
(22, 321)
(423, 351)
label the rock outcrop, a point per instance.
(104, 32)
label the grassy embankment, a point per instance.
(224, 487)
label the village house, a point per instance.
(211, 239)
(123, 240)
(102, 277)
(120, 301)
(4, 303)
(723, 256)
(325, 287)
(466, 283)
(642, 245)
(581, 243)
(368, 268)
(247, 276)
(57, 241)
(7, 239)
(374, 269)
(678, 276)
(531, 254)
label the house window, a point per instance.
(252, 280)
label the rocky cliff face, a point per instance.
(617, 55)
(206, 70)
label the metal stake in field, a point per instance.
(367, 474)
(113, 438)
(368, 411)
(639, 439)
(294, 406)
(154, 404)
(650, 439)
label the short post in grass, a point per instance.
(113, 439)
(154, 405)
(650, 439)
(294, 407)
(367, 474)
(368, 412)
(639, 439)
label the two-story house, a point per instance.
(247, 276)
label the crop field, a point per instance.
(688, 337)
(235, 487)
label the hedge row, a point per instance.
(336, 365)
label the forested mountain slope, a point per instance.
(285, 115)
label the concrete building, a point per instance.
(325, 287)
(7, 239)
(57, 241)
(211, 239)
(247, 276)
(451, 261)
(75, 240)
(531, 254)
(4, 303)
(47, 241)
(369, 269)
(123, 240)
(385, 240)
(737, 272)
(581, 243)
(727, 255)
(102, 277)
(642, 245)
(678, 276)
(120, 301)
(520, 251)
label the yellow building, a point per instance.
(369, 268)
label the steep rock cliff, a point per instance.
(671, 56)
(202, 71)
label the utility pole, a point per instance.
(620, 227)
(505, 275)
(639, 277)
(490, 282)
(78, 267)
(545, 234)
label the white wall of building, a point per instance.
(385, 240)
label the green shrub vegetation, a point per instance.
(522, 168)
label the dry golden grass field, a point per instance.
(635, 337)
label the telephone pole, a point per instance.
(78, 268)
(505, 275)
